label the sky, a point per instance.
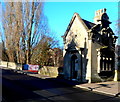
(59, 14)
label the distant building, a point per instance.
(89, 48)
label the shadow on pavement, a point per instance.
(101, 85)
(19, 86)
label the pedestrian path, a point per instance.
(111, 87)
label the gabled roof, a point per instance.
(88, 25)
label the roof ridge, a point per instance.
(87, 24)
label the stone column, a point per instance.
(117, 75)
(88, 72)
(92, 74)
(94, 68)
(98, 60)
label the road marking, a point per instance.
(18, 77)
(50, 95)
(44, 93)
(59, 98)
(34, 100)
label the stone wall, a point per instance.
(11, 65)
(49, 71)
(3, 63)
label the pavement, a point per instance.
(109, 87)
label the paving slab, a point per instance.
(111, 87)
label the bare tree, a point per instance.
(58, 57)
(35, 26)
(12, 29)
(23, 24)
(43, 52)
(26, 33)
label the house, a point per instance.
(89, 48)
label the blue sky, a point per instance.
(59, 14)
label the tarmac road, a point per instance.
(24, 88)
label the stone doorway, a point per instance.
(74, 67)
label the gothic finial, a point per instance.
(105, 10)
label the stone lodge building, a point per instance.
(89, 48)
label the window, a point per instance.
(106, 64)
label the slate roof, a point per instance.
(88, 24)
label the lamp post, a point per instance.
(81, 49)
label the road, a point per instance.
(18, 87)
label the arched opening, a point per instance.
(74, 67)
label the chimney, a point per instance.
(98, 15)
